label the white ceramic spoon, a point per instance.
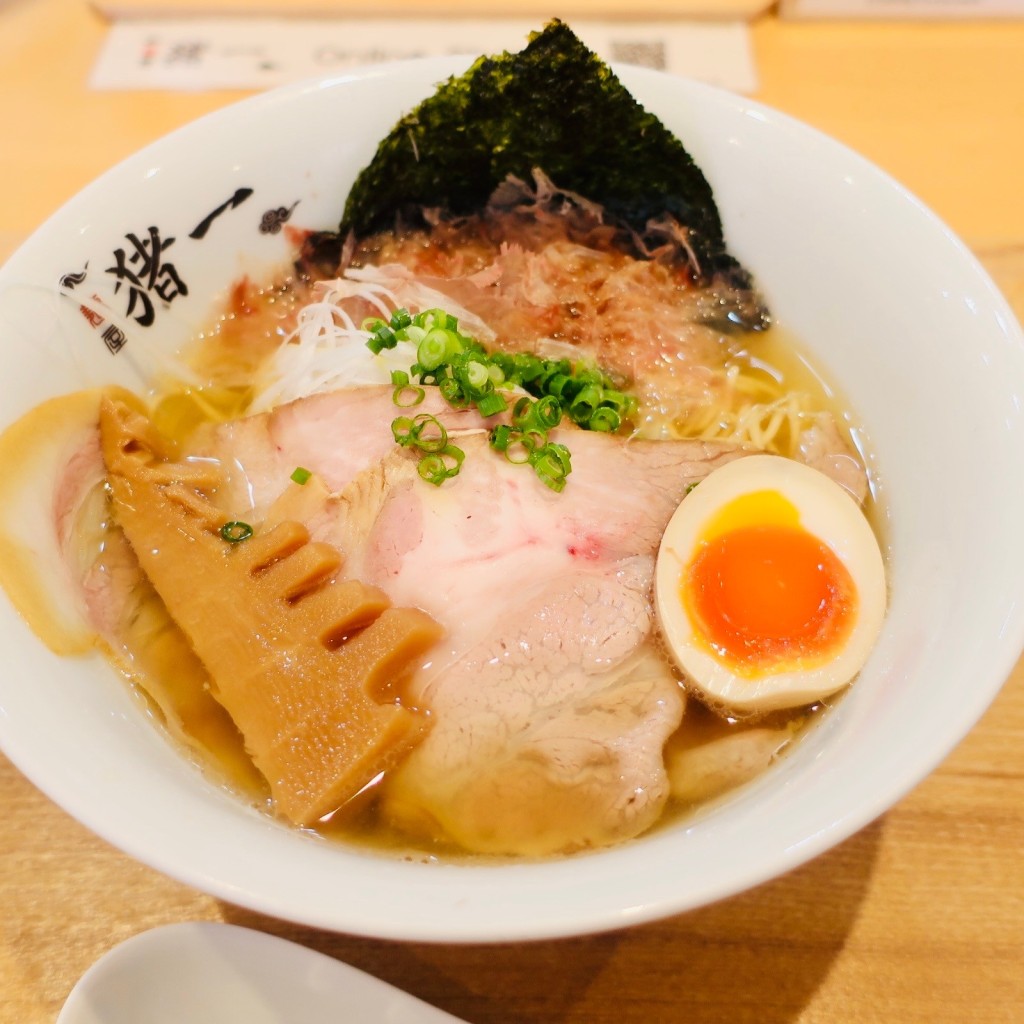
(205, 973)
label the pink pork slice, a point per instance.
(550, 703)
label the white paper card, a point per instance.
(235, 53)
(959, 9)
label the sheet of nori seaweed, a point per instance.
(553, 105)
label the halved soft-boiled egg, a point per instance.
(770, 585)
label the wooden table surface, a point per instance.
(918, 918)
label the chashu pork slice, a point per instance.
(550, 703)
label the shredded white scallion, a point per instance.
(327, 349)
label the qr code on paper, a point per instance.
(645, 54)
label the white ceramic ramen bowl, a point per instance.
(890, 304)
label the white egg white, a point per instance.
(828, 512)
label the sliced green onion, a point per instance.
(542, 414)
(505, 363)
(466, 373)
(381, 337)
(410, 395)
(519, 450)
(551, 372)
(547, 413)
(301, 475)
(617, 399)
(492, 404)
(562, 386)
(528, 367)
(452, 392)
(403, 429)
(536, 439)
(604, 418)
(551, 464)
(477, 376)
(584, 404)
(500, 437)
(555, 482)
(437, 467)
(559, 453)
(405, 395)
(400, 319)
(436, 347)
(235, 532)
(431, 318)
(520, 411)
(410, 433)
(432, 443)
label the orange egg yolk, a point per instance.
(768, 596)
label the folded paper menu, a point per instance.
(178, 54)
(902, 9)
(566, 9)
